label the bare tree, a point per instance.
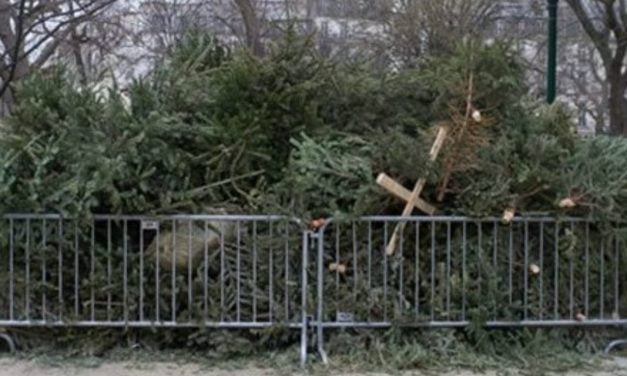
(581, 84)
(96, 46)
(254, 22)
(417, 27)
(31, 31)
(605, 23)
(165, 22)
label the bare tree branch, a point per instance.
(604, 23)
(40, 28)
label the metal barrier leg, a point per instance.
(614, 344)
(323, 354)
(303, 344)
(9, 341)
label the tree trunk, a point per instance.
(617, 104)
(252, 26)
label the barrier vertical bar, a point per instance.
(222, 274)
(587, 276)
(109, 269)
(44, 245)
(205, 277)
(287, 272)
(92, 270)
(304, 324)
(173, 266)
(602, 280)
(320, 294)
(125, 267)
(355, 267)
(448, 269)
(511, 265)
(401, 297)
(11, 251)
(557, 270)
(254, 271)
(270, 275)
(616, 276)
(27, 267)
(526, 273)
(141, 272)
(571, 268)
(541, 270)
(337, 265)
(417, 272)
(60, 265)
(432, 270)
(385, 272)
(190, 286)
(464, 273)
(157, 275)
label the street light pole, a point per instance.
(551, 76)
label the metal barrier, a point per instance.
(184, 271)
(239, 272)
(455, 271)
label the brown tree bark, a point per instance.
(617, 104)
(252, 26)
(610, 39)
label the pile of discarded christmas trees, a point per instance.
(296, 134)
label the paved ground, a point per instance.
(12, 367)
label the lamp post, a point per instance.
(551, 76)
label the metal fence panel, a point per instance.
(140, 271)
(454, 271)
(238, 272)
